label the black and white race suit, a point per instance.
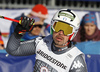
(47, 59)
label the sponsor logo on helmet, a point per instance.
(65, 18)
(66, 15)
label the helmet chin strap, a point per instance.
(70, 37)
(69, 40)
(67, 43)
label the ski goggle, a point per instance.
(66, 28)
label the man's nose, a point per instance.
(61, 32)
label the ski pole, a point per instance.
(9, 19)
(18, 21)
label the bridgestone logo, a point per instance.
(51, 59)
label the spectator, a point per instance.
(39, 12)
(88, 29)
(1, 42)
(54, 53)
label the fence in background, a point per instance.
(92, 5)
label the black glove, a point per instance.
(25, 25)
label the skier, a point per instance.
(54, 53)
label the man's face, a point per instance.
(36, 30)
(60, 39)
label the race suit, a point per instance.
(48, 57)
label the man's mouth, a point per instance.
(59, 38)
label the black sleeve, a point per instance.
(17, 48)
(78, 65)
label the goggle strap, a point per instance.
(71, 36)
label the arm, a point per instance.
(17, 48)
(78, 65)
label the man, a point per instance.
(39, 12)
(54, 53)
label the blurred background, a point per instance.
(92, 5)
(14, 8)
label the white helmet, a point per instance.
(69, 17)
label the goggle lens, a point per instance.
(66, 28)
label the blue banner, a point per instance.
(93, 62)
(89, 47)
(16, 63)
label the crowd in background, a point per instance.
(88, 30)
